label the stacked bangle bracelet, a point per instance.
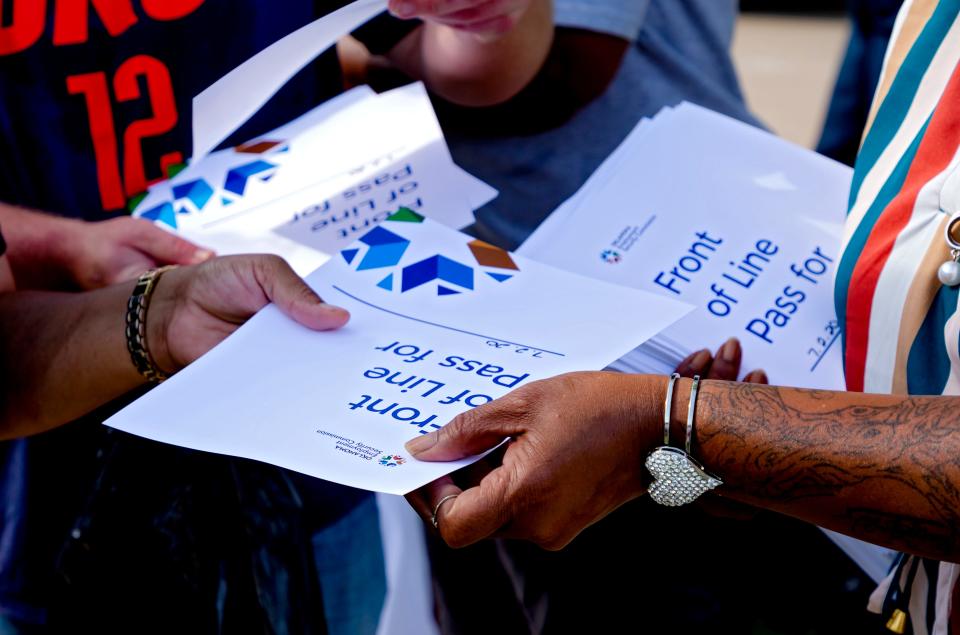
(678, 478)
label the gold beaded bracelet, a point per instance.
(136, 321)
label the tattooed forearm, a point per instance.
(883, 468)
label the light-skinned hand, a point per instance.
(106, 252)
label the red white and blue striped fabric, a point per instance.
(902, 327)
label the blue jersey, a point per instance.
(95, 105)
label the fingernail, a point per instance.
(730, 351)
(757, 377)
(202, 255)
(700, 361)
(404, 9)
(421, 444)
(332, 308)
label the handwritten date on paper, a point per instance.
(516, 348)
(825, 341)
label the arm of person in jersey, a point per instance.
(56, 253)
(63, 355)
(880, 468)
(474, 52)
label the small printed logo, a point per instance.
(392, 460)
(611, 256)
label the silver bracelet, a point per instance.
(667, 406)
(678, 479)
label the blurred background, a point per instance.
(788, 54)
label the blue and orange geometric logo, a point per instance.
(386, 249)
(192, 197)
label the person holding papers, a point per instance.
(611, 63)
(96, 107)
(878, 462)
(66, 354)
(63, 355)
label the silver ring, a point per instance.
(436, 510)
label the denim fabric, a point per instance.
(173, 540)
(350, 565)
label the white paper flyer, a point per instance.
(710, 211)
(440, 323)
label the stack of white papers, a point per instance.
(701, 208)
(310, 188)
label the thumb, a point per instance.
(166, 248)
(298, 301)
(470, 433)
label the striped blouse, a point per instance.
(902, 326)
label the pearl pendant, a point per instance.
(949, 273)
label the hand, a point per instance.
(575, 454)
(57, 254)
(195, 308)
(106, 252)
(725, 365)
(485, 18)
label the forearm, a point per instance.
(881, 468)
(61, 356)
(472, 71)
